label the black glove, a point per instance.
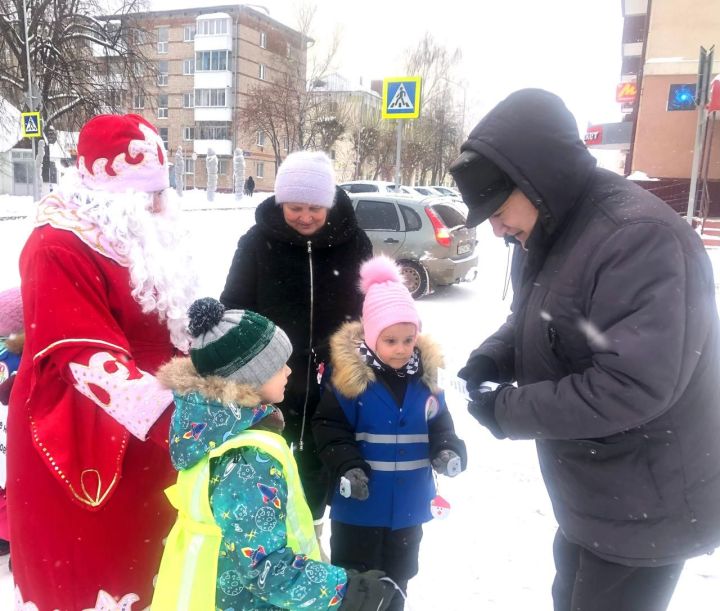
(478, 369)
(482, 408)
(447, 463)
(366, 592)
(354, 484)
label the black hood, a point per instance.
(341, 224)
(533, 138)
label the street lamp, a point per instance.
(464, 88)
(31, 101)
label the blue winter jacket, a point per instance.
(360, 424)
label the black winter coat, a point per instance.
(307, 285)
(614, 343)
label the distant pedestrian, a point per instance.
(249, 186)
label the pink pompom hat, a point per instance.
(387, 299)
(11, 313)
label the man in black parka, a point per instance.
(299, 266)
(613, 343)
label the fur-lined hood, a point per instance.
(209, 411)
(351, 376)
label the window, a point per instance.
(188, 66)
(189, 100)
(260, 169)
(263, 40)
(212, 60)
(211, 27)
(261, 72)
(260, 139)
(209, 98)
(286, 143)
(189, 33)
(412, 219)
(377, 215)
(139, 102)
(189, 165)
(188, 133)
(163, 131)
(115, 98)
(222, 167)
(163, 35)
(449, 215)
(213, 131)
(162, 106)
(162, 78)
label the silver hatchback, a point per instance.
(427, 237)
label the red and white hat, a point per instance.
(120, 153)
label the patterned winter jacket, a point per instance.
(360, 424)
(248, 494)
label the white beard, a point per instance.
(162, 278)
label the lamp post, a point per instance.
(30, 100)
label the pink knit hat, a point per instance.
(11, 314)
(306, 177)
(118, 153)
(387, 300)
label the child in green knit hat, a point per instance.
(244, 538)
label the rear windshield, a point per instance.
(452, 217)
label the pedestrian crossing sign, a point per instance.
(401, 97)
(31, 125)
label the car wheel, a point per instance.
(415, 277)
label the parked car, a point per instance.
(449, 191)
(426, 191)
(427, 236)
(369, 186)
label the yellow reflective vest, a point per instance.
(188, 571)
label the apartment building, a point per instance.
(207, 61)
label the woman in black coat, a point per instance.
(299, 267)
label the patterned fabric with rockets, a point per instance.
(248, 494)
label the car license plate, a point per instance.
(463, 248)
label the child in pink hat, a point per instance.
(381, 428)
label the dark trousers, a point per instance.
(586, 582)
(367, 547)
(313, 474)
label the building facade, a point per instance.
(661, 49)
(207, 60)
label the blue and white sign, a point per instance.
(401, 97)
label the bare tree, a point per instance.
(435, 135)
(82, 59)
(287, 109)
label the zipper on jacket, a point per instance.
(301, 444)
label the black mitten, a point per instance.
(367, 592)
(479, 368)
(482, 408)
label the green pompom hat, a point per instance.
(240, 345)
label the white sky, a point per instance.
(570, 47)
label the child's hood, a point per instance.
(350, 374)
(208, 411)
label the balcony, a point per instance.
(221, 79)
(213, 31)
(221, 147)
(213, 113)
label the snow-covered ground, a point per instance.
(493, 551)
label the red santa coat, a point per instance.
(86, 503)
